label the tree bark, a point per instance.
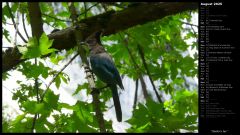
(111, 21)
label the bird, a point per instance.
(104, 68)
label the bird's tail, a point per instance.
(116, 102)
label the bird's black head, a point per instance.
(94, 39)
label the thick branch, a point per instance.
(89, 76)
(37, 30)
(111, 22)
(35, 19)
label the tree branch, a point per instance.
(148, 73)
(144, 87)
(7, 23)
(14, 24)
(34, 122)
(56, 18)
(24, 26)
(86, 10)
(135, 97)
(37, 30)
(112, 22)
(35, 19)
(57, 75)
(82, 53)
(136, 66)
(189, 23)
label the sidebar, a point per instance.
(219, 42)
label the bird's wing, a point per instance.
(106, 65)
(111, 67)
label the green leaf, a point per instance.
(34, 107)
(33, 71)
(155, 109)
(5, 76)
(80, 87)
(140, 116)
(65, 105)
(51, 99)
(56, 58)
(32, 50)
(22, 50)
(41, 122)
(57, 81)
(5, 12)
(168, 37)
(6, 35)
(14, 7)
(64, 14)
(18, 119)
(83, 111)
(64, 77)
(44, 70)
(45, 44)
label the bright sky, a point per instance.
(77, 76)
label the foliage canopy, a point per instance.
(165, 54)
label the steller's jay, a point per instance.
(103, 67)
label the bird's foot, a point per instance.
(87, 70)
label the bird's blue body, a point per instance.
(103, 67)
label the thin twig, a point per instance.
(37, 84)
(57, 75)
(14, 24)
(85, 7)
(17, 23)
(8, 89)
(112, 4)
(24, 26)
(135, 97)
(34, 122)
(43, 82)
(56, 18)
(148, 73)
(88, 9)
(85, 13)
(195, 34)
(7, 23)
(136, 66)
(14, 93)
(189, 23)
(144, 87)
